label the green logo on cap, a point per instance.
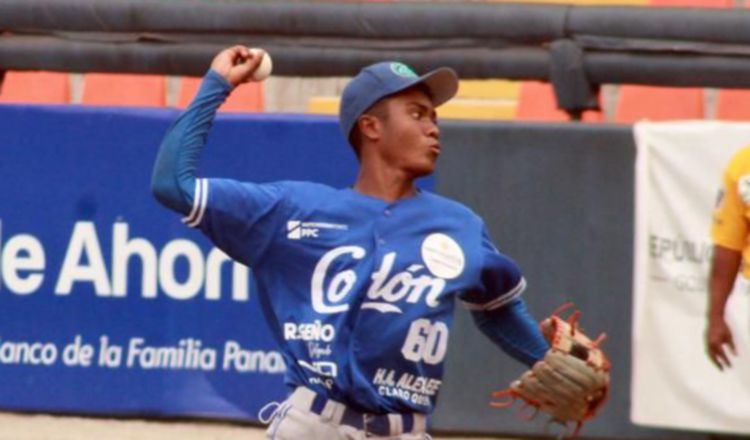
(401, 69)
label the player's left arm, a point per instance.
(497, 308)
(568, 375)
(513, 329)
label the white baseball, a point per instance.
(264, 69)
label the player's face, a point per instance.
(411, 136)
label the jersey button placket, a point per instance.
(379, 240)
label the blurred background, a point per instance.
(539, 141)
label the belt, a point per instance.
(340, 414)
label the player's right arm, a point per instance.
(174, 176)
(729, 233)
(726, 263)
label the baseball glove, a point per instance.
(571, 383)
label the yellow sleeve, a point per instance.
(730, 227)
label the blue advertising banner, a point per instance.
(108, 303)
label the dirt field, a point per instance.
(45, 427)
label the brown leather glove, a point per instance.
(571, 383)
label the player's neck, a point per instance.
(385, 183)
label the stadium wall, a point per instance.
(557, 198)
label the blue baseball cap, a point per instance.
(381, 80)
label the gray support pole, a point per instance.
(575, 48)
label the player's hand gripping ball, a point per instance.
(240, 64)
(263, 70)
(571, 383)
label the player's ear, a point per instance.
(370, 127)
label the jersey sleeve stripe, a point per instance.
(499, 301)
(203, 203)
(196, 202)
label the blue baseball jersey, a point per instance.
(358, 292)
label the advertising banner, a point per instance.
(108, 303)
(679, 173)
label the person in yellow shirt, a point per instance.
(731, 254)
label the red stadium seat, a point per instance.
(245, 98)
(537, 102)
(658, 103)
(733, 105)
(124, 89)
(692, 3)
(666, 103)
(35, 88)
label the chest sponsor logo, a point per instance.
(419, 390)
(317, 350)
(443, 256)
(323, 368)
(298, 230)
(388, 291)
(309, 332)
(325, 372)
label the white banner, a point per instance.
(679, 171)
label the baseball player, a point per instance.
(731, 255)
(358, 284)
